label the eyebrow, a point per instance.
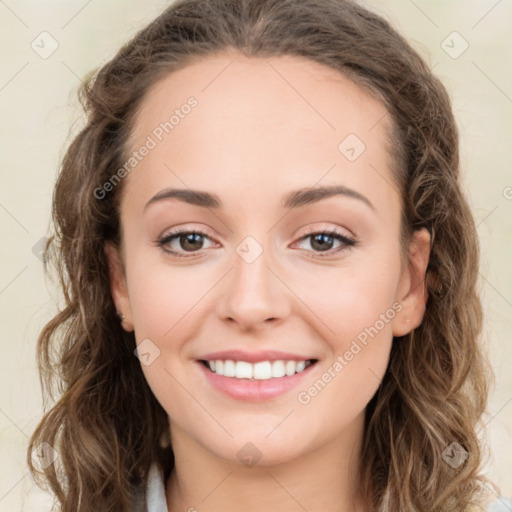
(295, 199)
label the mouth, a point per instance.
(261, 370)
(255, 381)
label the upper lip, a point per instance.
(253, 357)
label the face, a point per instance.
(273, 263)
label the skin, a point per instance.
(263, 128)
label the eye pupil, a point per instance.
(190, 238)
(321, 240)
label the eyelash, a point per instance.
(348, 242)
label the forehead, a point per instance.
(231, 83)
(282, 120)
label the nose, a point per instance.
(253, 294)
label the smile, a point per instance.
(262, 370)
(256, 381)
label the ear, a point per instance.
(412, 291)
(118, 287)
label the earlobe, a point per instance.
(118, 287)
(412, 291)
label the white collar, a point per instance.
(156, 501)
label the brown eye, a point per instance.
(322, 242)
(183, 241)
(190, 241)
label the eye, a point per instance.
(322, 242)
(186, 240)
(182, 241)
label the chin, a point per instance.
(259, 449)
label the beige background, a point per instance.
(39, 107)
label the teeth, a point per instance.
(262, 370)
(278, 369)
(290, 367)
(229, 369)
(243, 370)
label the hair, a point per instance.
(105, 422)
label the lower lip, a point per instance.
(254, 390)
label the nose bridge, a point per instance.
(253, 293)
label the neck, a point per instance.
(322, 479)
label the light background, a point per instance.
(38, 111)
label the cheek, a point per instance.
(349, 298)
(166, 304)
(359, 315)
(163, 297)
(356, 306)
(339, 393)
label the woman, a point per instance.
(270, 271)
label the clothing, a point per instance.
(156, 501)
(504, 505)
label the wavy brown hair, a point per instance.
(104, 421)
